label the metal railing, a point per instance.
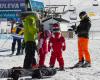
(94, 35)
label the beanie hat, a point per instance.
(56, 27)
(83, 13)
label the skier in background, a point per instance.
(82, 32)
(17, 31)
(57, 45)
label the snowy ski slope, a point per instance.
(70, 55)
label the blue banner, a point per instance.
(37, 5)
(9, 14)
(12, 5)
(11, 8)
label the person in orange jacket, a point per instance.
(57, 45)
(82, 32)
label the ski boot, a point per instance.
(18, 53)
(61, 68)
(42, 66)
(11, 54)
(78, 65)
(86, 64)
(51, 66)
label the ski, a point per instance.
(58, 69)
(73, 67)
(8, 55)
(1, 50)
(28, 78)
(6, 50)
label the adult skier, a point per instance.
(57, 45)
(30, 32)
(82, 32)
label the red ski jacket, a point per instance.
(57, 43)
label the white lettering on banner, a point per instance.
(9, 6)
(22, 4)
(7, 15)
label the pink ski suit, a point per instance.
(43, 48)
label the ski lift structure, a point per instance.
(73, 16)
(56, 6)
(95, 3)
(72, 8)
(52, 10)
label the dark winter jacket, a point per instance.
(83, 28)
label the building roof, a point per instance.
(57, 19)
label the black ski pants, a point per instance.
(18, 45)
(30, 47)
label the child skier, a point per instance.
(57, 45)
(43, 46)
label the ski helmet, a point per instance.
(56, 27)
(83, 13)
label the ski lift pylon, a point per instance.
(73, 16)
(95, 3)
(72, 8)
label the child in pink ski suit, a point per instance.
(57, 44)
(43, 47)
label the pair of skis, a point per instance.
(65, 68)
(58, 69)
(8, 55)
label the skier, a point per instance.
(16, 72)
(43, 46)
(30, 32)
(57, 45)
(83, 39)
(16, 31)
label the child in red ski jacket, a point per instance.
(57, 45)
